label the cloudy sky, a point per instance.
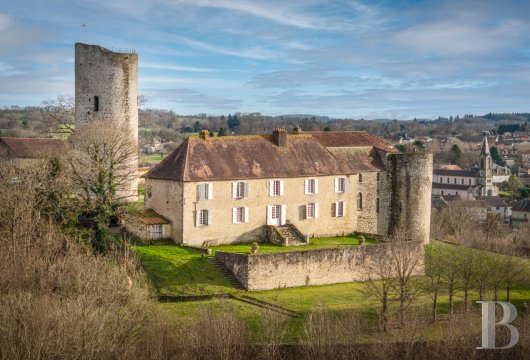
(343, 58)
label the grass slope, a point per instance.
(175, 270)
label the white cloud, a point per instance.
(175, 67)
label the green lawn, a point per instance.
(176, 270)
(314, 243)
(154, 159)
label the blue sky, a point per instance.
(371, 59)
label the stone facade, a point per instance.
(383, 190)
(309, 267)
(106, 88)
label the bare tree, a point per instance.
(61, 112)
(435, 269)
(103, 164)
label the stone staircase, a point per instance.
(292, 236)
(226, 273)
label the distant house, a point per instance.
(521, 213)
(471, 184)
(30, 148)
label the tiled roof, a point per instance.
(445, 172)
(149, 217)
(257, 156)
(523, 206)
(450, 186)
(32, 147)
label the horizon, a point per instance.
(339, 59)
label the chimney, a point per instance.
(204, 134)
(280, 137)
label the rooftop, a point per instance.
(34, 148)
(259, 156)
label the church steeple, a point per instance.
(485, 151)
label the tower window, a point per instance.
(96, 103)
(359, 201)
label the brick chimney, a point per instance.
(280, 137)
(204, 134)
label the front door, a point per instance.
(274, 215)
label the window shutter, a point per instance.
(281, 187)
(209, 215)
(306, 184)
(234, 190)
(344, 208)
(234, 215)
(316, 210)
(200, 192)
(197, 217)
(305, 211)
(316, 186)
(271, 188)
(246, 188)
(269, 215)
(336, 185)
(246, 215)
(334, 209)
(210, 191)
(346, 184)
(284, 215)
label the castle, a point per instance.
(222, 190)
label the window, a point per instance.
(203, 217)
(340, 185)
(462, 181)
(205, 191)
(455, 180)
(156, 232)
(96, 103)
(239, 189)
(360, 177)
(442, 192)
(377, 205)
(359, 201)
(276, 188)
(448, 180)
(469, 181)
(240, 215)
(339, 209)
(377, 177)
(276, 209)
(311, 186)
(311, 211)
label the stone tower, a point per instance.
(409, 178)
(485, 181)
(106, 88)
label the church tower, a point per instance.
(485, 180)
(106, 88)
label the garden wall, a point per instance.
(308, 267)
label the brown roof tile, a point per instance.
(32, 147)
(248, 157)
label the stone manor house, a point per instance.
(290, 186)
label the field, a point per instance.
(179, 271)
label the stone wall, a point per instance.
(165, 197)
(309, 267)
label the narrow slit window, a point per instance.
(96, 103)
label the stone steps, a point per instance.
(290, 233)
(226, 273)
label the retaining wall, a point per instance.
(311, 267)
